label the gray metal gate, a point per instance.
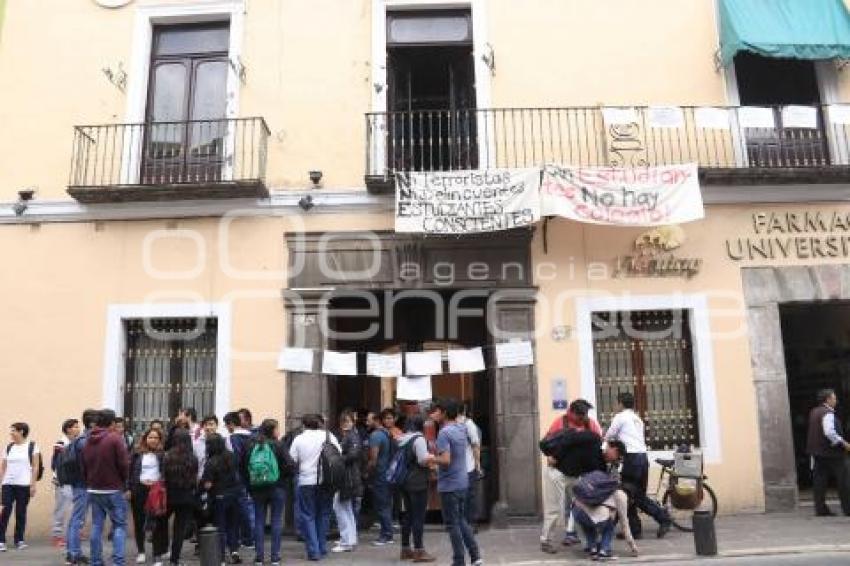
(169, 363)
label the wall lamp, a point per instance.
(24, 196)
(316, 178)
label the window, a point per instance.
(777, 82)
(648, 353)
(187, 99)
(170, 363)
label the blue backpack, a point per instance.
(593, 488)
(399, 467)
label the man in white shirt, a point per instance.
(473, 464)
(314, 501)
(628, 428)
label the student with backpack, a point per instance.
(70, 473)
(381, 449)
(220, 480)
(599, 504)
(317, 455)
(150, 512)
(20, 469)
(237, 441)
(412, 481)
(344, 499)
(267, 467)
(63, 498)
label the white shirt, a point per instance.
(306, 450)
(18, 465)
(628, 429)
(200, 448)
(473, 435)
(150, 468)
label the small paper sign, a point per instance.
(423, 363)
(618, 116)
(756, 117)
(559, 393)
(514, 354)
(383, 365)
(800, 117)
(295, 359)
(668, 117)
(414, 388)
(466, 361)
(710, 118)
(339, 363)
(839, 114)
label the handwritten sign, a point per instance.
(800, 117)
(468, 201)
(514, 354)
(466, 361)
(383, 365)
(295, 359)
(650, 196)
(339, 363)
(424, 363)
(666, 117)
(711, 118)
(756, 117)
(414, 388)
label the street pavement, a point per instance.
(774, 540)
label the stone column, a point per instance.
(516, 417)
(306, 392)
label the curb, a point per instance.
(743, 553)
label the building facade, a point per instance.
(187, 187)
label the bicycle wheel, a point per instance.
(683, 519)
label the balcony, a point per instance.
(165, 161)
(732, 145)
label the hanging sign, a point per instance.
(514, 354)
(339, 363)
(666, 117)
(295, 359)
(648, 196)
(466, 361)
(383, 365)
(711, 118)
(468, 201)
(414, 388)
(424, 363)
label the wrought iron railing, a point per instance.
(713, 137)
(170, 153)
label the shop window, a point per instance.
(650, 354)
(169, 364)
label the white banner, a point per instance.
(414, 388)
(839, 114)
(468, 201)
(295, 359)
(383, 365)
(666, 117)
(649, 196)
(424, 363)
(514, 354)
(800, 117)
(339, 363)
(466, 361)
(756, 117)
(711, 118)
(614, 116)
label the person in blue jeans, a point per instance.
(106, 471)
(268, 495)
(597, 522)
(80, 497)
(380, 453)
(453, 482)
(313, 500)
(238, 440)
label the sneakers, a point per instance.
(141, 559)
(341, 548)
(604, 556)
(548, 548)
(235, 558)
(22, 545)
(479, 562)
(570, 539)
(2, 547)
(382, 542)
(664, 528)
(76, 561)
(58, 541)
(157, 563)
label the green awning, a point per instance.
(799, 29)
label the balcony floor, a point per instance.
(163, 193)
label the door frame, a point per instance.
(114, 369)
(184, 12)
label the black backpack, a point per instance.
(30, 451)
(332, 471)
(68, 469)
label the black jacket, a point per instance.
(136, 468)
(284, 463)
(352, 454)
(576, 452)
(223, 473)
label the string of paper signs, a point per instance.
(413, 369)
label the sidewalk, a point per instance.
(738, 536)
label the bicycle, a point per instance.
(683, 495)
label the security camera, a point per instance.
(306, 203)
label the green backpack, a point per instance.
(262, 466)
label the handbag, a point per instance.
(156, 503)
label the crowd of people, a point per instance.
(177, 478)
